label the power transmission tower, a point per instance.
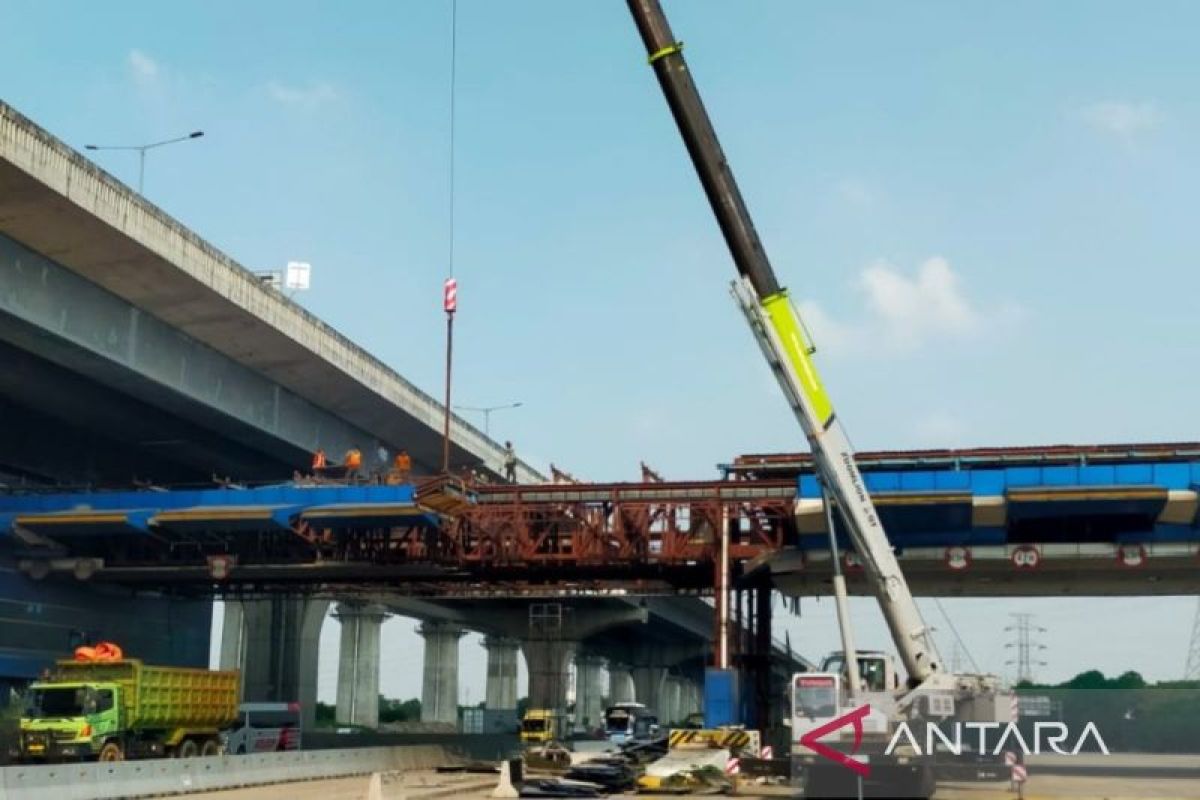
(1191, 672)
(1026, 644)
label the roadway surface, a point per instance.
(411, 787)
(1110, 777)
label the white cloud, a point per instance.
(1123, 120)
(315, 94)
(144, 68)
(929, 302)
(903, 311)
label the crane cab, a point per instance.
(877, 672)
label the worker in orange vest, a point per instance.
(353, 462)
(318, 462)
(403, 464)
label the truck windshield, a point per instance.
(47, 703)
(533, 725)
(815, 697)
(617, 722)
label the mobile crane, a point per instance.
(930, 694)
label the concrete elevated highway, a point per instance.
(133, 348)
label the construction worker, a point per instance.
(318, 462)
(510, 463)
(353, 462)
(403, 466)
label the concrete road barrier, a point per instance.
(182, 776)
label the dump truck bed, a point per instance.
(162, 697)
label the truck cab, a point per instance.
(625, 723)
(542, 725)
(67, 721)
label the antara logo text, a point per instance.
(1047, 737)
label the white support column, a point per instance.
(620, 684)
(589, 699)
(648, 684)
(439, 689)
(670, 700)
(279, 652)
(358, 664)
(692, 697)
(548, 662)
(501, 693)
(233, 636)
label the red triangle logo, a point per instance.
(855, 718)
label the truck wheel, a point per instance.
(188, 748)
(210, 748)
(111, 752)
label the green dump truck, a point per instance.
(113, 710)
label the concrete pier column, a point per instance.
(691, 699)
(281, 640)
(501, 693)
(647, 685)
(620, 684)
(671, 700)
(233, 636)
(589, 691)
(439, 688)
(548, 661)
(358, 664)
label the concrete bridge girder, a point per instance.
(56, 315)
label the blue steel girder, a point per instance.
(368, 534)
(988, 506)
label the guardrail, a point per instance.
(96, 781)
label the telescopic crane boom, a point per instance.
(778, 328)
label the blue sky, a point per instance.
(985, 210)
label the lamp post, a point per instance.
(142, 148)
(487, 413)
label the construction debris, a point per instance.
(699, 761)
(613, 774)
(550, 756)
(687, 771)
(559, 787)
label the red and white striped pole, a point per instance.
(449, 305)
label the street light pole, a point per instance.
(487, 413)
(142, 148)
